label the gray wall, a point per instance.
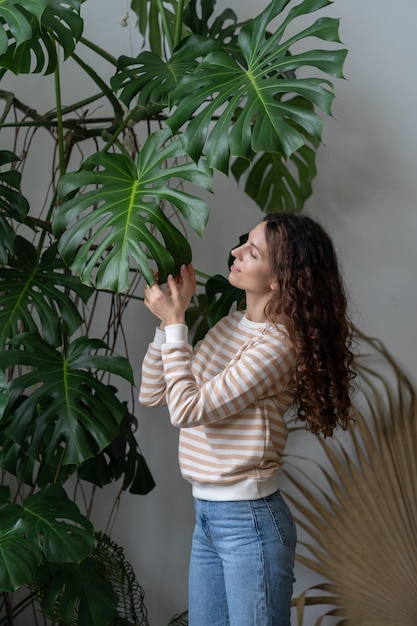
(365, 194)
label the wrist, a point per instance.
(174, 320)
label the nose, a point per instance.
(235, 252)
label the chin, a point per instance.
(231, 278)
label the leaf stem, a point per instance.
(165, 25)
(178, 23)
(202, 274)
(101, 84)
(100, 51)
(60, 126)
(137, 114)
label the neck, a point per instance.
(255, 309)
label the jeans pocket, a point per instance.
(283, 519)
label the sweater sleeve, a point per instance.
(153, 388)
(263, 368)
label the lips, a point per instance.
(234, 268)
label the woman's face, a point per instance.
(251, 269)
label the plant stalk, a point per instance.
(103, 86)
(100, 51)
(178, 23)
(165, 25)
(60, 127)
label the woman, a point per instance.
(289, 348)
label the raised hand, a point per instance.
(170, 305)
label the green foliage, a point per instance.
(34, 286)
(120, 459)
(47, 527)
(15, 21)
(84, 591)
(36, 26)
(71, 415)
(246, 100)
(202, 91)
(12, 205)
(127, 198)
(220, 297)
(4, 393)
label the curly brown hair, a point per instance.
(311, 301)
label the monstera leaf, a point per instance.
(34, 291)
(122, 457)
(202, 22)
(69, 415)
(15, 461)
(20, 551)
(278, 184)
(49, 526)
(17, 18)
(107, 225)
(66, 535)
(151, 78)
(149, 15)
(12, 204)
(77, 594)
(44, 22)
(219, 299)
(229, 108)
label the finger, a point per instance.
(188, 277)
(191, 273)
(172, 285)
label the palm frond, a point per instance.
(358, 505)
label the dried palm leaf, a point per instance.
(360, 514)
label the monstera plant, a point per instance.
(205, 92)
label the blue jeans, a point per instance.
(242, 560)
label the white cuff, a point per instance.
(176, 333)
(159, 338)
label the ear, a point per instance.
(274, 285)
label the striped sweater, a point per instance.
(228, 397)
